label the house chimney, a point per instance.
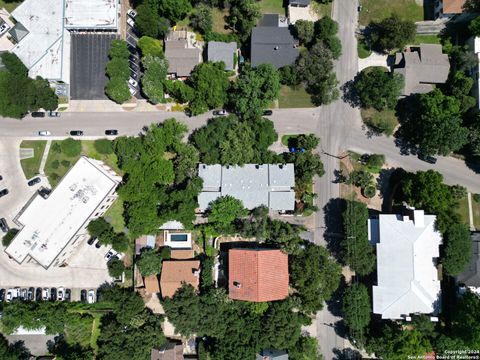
(276, 47)
(418, 218)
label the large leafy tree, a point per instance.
(66, 351)
(224, 210)
(150, 46)
(210, 84)
(356, 250)
(254, 90)
(149, 21)
(326, 31)
(466, 320)
(459, 86)
(304, 30)
(392, 33)
(315, 276)
(356, 307)
(15, 351)
(435, 124)
(378, 89)
(202, 19)
(150, 262)
(153, 78)
(243, 16)
(457, 249)
(174, 10)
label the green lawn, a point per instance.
(362, 49)
(272, 7)
(476, 214)
(9, 5)
(322, 9)
(380, 121)
(219, 21)
(114, 215)
(462, 210)
(89, 150)
(286, 139)
(31, 166)
(376, 10)
(426, 39)
(294, 98)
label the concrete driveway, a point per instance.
(374, 59)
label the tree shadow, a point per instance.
(385, 186)
(334, 304)
(473, 163)
(349, 94)
(334, 225)
(347, 354)
(340, 177)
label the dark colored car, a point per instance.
(3, 192)
(38, 294)
(91, 240)
(53, 294)
(132, 49)
(427, 158)
(38, 114)
(111, 132)
(3, 225)
(76, 132)
(97, 244)
(31, 294)
(53, 114)
(1, 177)
(68, 294)
(133, 58)
(44, 192)
(2, 295)
(267, 112)
(34, 181)
(83, 296)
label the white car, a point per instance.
(133, 91)
(61, 294)
(44, 133)
(132, 13)
(9, 296)
(133, 82)
(109, 254)
(46, 294)
(4, 28)
(16, 292)
(91, 296)
(130, 22)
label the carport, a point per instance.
(89, 56)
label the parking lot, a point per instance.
(88, 58)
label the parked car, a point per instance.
(267, 112)
(44, 192)
(132, 13)
(45, 294)
(1, 177)
(53, 294)
(133, 74)
(3, 192)
(3, 225)
(97, 244)
(133, 58)
(34, 181)
(16, 292)
(221, 112)
(4, 28)
(111, 132)
(133, 66)
(91, 240)
(132, 90)
(38, 294)
(44, 133)
(31, 294)
(38, 114)
(427, 158)
(76, 132)
(9, 296)
(109, 255)
(68, 294)
(132, 82)
(61, 294)
(91, 296)
(2, 294)
(130, 22)
(132, 48)
(83, 296)
(53, 114)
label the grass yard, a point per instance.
(272, 7)
(89, 150)
(476, 214)
(286, 139)
(426, 39)
(462, 210)
(294, 98)
(362, 49)
(219, 21)
(380, 121)
(322, 9)
(377, 10)
(9, 5)
(31, 166)
(357, 165)
(114, 215)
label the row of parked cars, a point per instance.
(133, 59)
(77, 132)
(44, 294)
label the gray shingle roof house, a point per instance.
(299, 3)
(470, 277)
(221, 51)
(255, 185)
(271, 354)
(181, 57)
(272, 42)
(172, 351)
(421, 69)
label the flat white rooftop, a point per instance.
(91, 14)
(50, 224)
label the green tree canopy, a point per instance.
(459, 86)
(392, 33)
(103, 146)
(474, 26)
(66, 351)
(117, 90)
(202, 19)
(150, 263)
(304, 31)
(118, 49)
(457, 249)
(224, 210)
(150, 46)
(466, 320)
(154, 77)
(174, 10)
(378, 88)
(13, 64)
(71, 147)
(254, 90)
(149, 22)
(115, 267)
(243, 16)
(356, 307)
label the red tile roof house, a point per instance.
(257, 275)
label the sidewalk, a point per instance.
(470, 212)
(109, 106)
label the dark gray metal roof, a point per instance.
(471, 276)
(299, 2)
(221, 51)
(273, 45)
(18, 32)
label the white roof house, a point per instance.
(407, 274)
(48, 225)
(255, 185)
(45, 50)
